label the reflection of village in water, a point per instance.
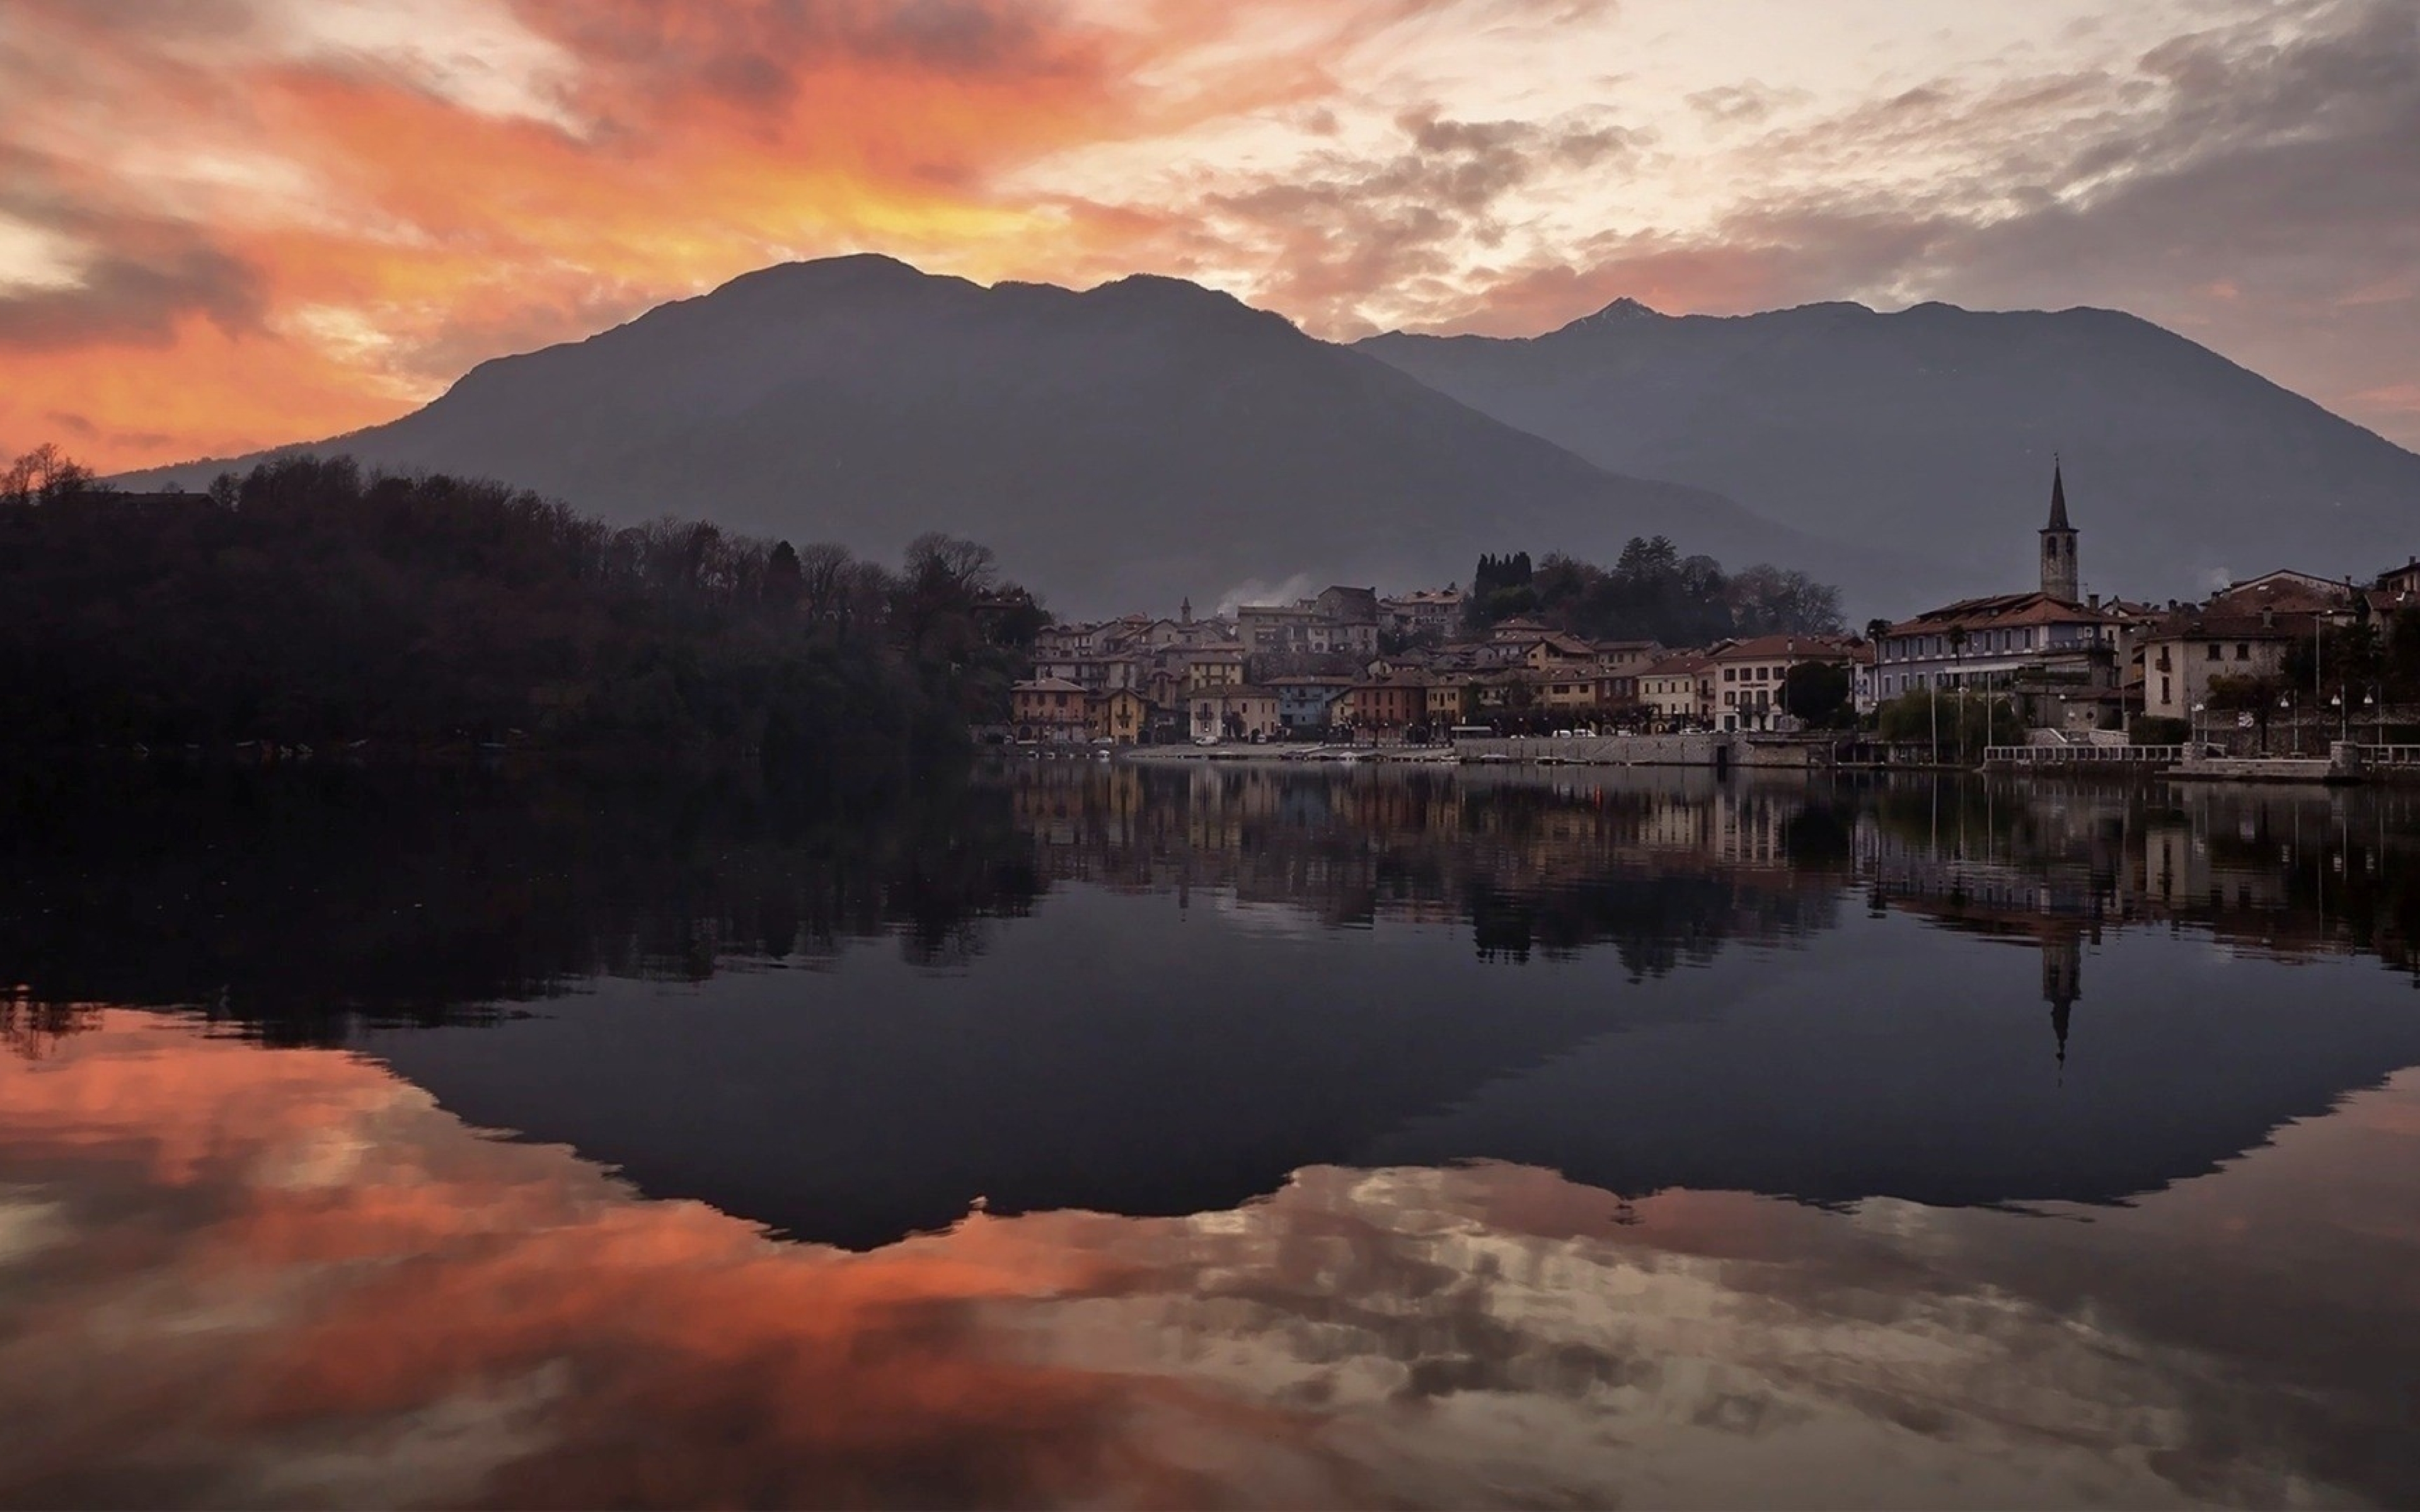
(379, 903)
(1441, 1109)
(1541, 862)
(1159, 989)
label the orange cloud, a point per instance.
(357, 1263)
(229, 224)
(346, 229)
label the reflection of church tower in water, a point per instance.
(2062, 968)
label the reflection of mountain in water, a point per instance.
(1156, 990)
(510, 1326)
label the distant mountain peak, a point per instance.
(847, 267)
(1623, 311)
(1161, 290)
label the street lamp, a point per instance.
(2196, 729)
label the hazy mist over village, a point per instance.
(1298, 753)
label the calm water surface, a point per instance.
(1209, 1137)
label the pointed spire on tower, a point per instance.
(2060, 579)
(2062, 971)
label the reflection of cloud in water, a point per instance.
(207, 1313)
(1284, 921)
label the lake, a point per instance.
(1199, 1135)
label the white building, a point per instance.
(2030, 640)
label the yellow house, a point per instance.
(1678, 689)
(1445, 700)
(1120, 716)
(1218, 664)
(1571, 688)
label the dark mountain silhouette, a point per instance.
(1122, 447)
(1930, 432)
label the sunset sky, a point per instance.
(228, 223)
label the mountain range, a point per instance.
(1149, 440)
(1931, 430)
(1120, 448)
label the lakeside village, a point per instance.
(2272, 676)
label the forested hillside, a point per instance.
(308, 602)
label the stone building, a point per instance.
(2246, 631)
(2034, 645)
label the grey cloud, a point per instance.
(1344, 224)
(2255, 186)
(2285, 175)
(83, 428)
(957, 36)
(757, 56)
(747, 78)
(143, 280)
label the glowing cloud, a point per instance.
(234, 225)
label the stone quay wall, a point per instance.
(1603, 750)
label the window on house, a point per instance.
(2163, 690)
(1731, 674)
(2213, 651)
(2243, 651)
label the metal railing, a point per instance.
(2388, 755)
(2086, 755)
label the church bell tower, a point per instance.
(2059, 579)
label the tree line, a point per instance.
(1650, 593)
(311, 602)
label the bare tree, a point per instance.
(866, 591)
(823, 581)
(959, 566)
(945, 575)
(44, 475)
